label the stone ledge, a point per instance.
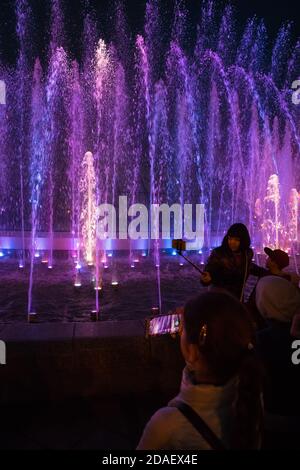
(56, 361)
(37, 332)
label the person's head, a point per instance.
(271, 265)
(277, 298)
(237, 238)
(216, 343)
(216, 335)
(277, 260)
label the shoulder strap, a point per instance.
(245, 277)
(198, 423)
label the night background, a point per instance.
(274, 15)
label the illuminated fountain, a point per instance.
(208, 120)
(293, 215)
(88, 208)
(279, 217)
(272, 225)
(37, 153)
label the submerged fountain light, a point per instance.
(155, 311)
(174, 253)
(94, 315)
(32, 317)
(1, 254)
(77, 282)
(98, 284)
(21, 264)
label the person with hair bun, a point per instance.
(219, 405)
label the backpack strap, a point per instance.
(198, 423)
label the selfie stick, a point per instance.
(189, 261)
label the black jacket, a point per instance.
(227, 269)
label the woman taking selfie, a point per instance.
(229, 265)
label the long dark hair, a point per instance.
(237, 230)
(228, 351)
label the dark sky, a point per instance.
(274, 14)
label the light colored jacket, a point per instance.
(168, 429)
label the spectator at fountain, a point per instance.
(229, 265)
(221, 381)
(278, 300)
(278, 260)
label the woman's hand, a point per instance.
(206, 277)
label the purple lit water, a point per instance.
(56, 299)
(167, 119)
